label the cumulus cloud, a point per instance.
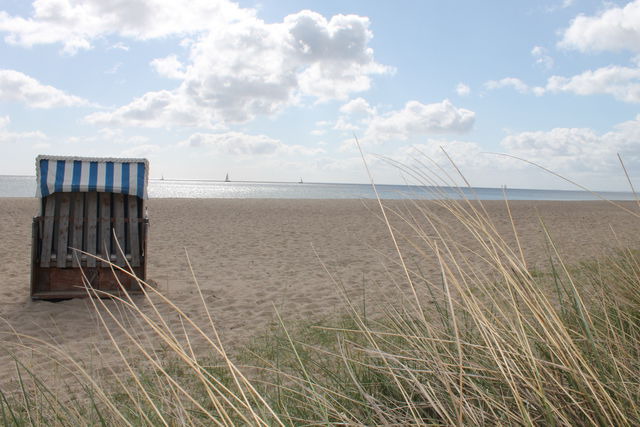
(614, 29)
(578, 149)
(417, 119)
(463, 153)
(16, 86)
(568, 151)
(169, 67)
(248, 68)
(623, 83)
(560, 5)
(335, 53)
(321, 124)
(514, 83)
(154, 109)
(7, 136)
(77, 23)
(541, 57)
(571, 152)
(344, 124)
(241, 144)
(462, 89)
(357, 106)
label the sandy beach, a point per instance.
(252, 255)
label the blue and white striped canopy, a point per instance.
(81, 174)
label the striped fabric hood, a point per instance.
(82, 174)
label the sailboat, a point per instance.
(226, 179)
(300, 181)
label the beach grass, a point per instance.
(487, 340)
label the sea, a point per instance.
(25, 186)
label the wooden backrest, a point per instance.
(98, 223)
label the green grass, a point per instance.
(501, 367)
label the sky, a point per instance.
(278, 90)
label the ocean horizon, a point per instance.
(25, 186)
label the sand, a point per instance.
(253, 256)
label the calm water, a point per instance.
(25, 186)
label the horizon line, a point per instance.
(579, 190)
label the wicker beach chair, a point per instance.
(96, 205)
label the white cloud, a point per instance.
(154, 109)
(462, 89)
(417, 119)
(120, 46)
(169, 67)
(614, 29)
(16, 86)
(6, 136)
(511, 82)
(357, 106)
(571, 152)
(321, 124)
(623, 83)
(75, 24)
(241, 144)
(578, 149)
(560, 148)
(562, 5)
(541, 57)
(344, 124)
(464, 154)
(247, 68)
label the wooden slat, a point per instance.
(77, 227)
(134, 230)
(47, 232)
(91, 235)
(34, 253)
(63, 230)
(105, 227)
(118, 215)
(143, 241)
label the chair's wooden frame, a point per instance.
(110, 226)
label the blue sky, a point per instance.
(275, 90)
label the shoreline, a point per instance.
(368, 184)
(276, 199)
